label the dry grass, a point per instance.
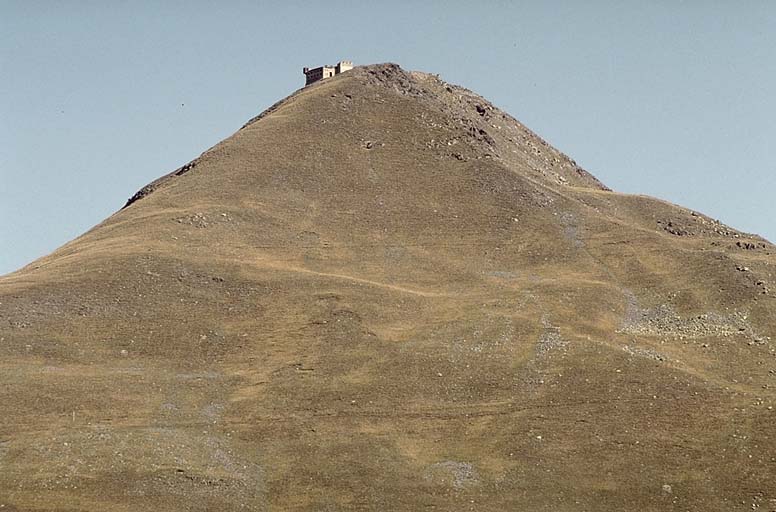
(386, 294)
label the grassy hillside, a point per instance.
(386, 294)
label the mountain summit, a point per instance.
(384, 293)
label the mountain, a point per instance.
(384, 293)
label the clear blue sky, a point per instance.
(667, 98)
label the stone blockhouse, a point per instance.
(314, 74)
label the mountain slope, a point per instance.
(386, 294)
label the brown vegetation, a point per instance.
(387, 294)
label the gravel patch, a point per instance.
(458, 475)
